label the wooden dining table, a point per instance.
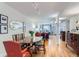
(26, 43)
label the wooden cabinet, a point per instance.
(62, 33)
(73, 41)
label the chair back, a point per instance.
(13, 49)
(15, 37)
(18, 37)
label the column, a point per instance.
(58, 30)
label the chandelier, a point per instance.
(36, 7)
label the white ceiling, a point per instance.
(45, 8)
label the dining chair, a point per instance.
(13, 49)
(15, 37)
(40, 46)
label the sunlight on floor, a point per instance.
(54, 49)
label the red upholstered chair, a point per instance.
(13, 49)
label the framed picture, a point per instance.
(3, 29)
(3, 19)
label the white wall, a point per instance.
(12, 15)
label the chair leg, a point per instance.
(35, 50)
(44, 46)
(44, 50)
(30, 53)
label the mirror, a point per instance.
(15, 25)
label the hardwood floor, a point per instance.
(54, 48)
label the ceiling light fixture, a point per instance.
(62, 18)
(36, 7)
(54, 15)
